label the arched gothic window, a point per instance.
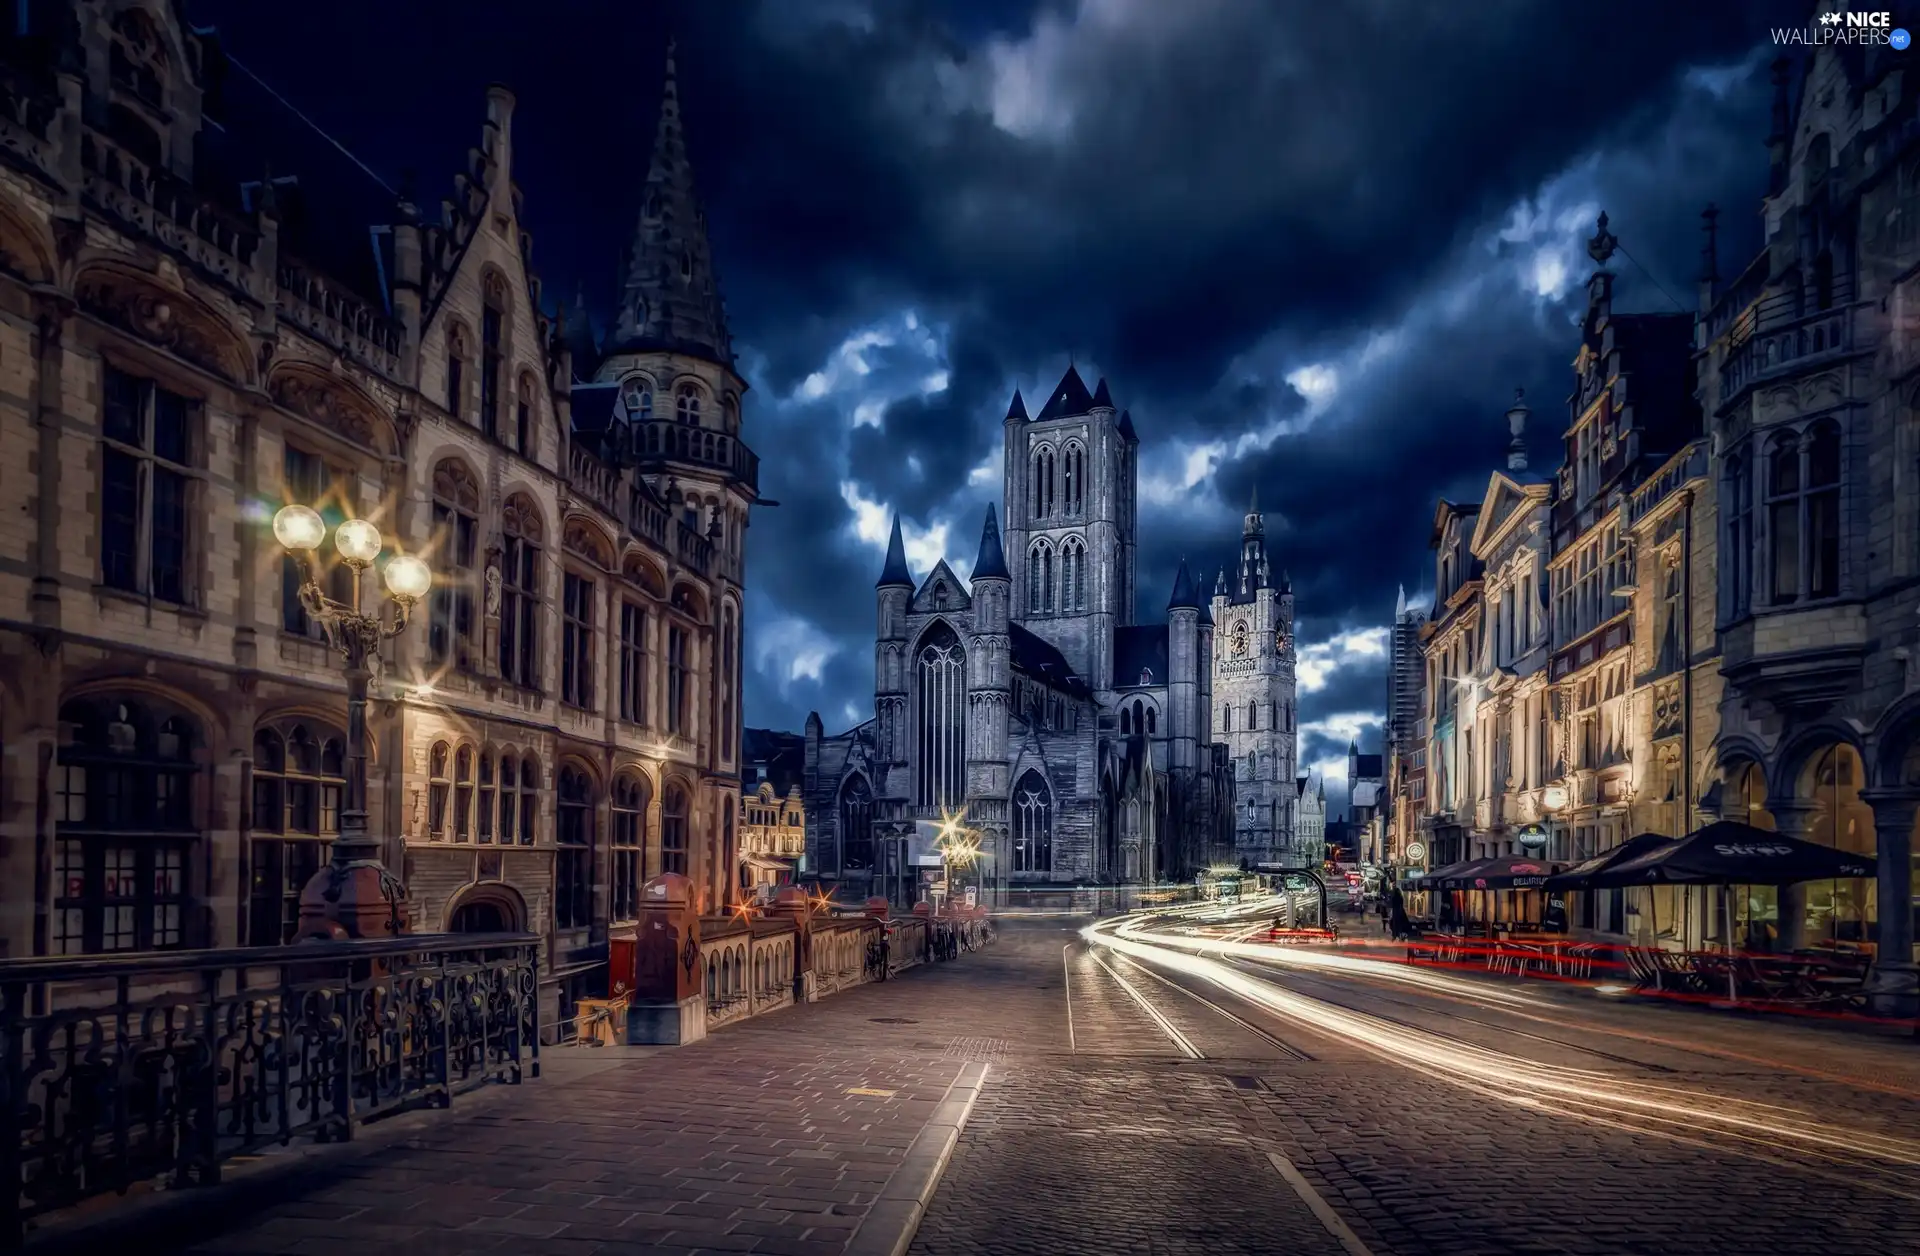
(1032, 824)
(493, 323)
(1253, 716)
(686, 405)
(856, 825)
(940, 668)
(299, 780)
(636, 396)
(124, 828)
(520, 537)
(438, 786)
(573, 850)
(1126, 721)
(674, 816)
(529, 799)
(523, 439)
(1040, 579)
(1075, 478)
(458, 352)
(1803, 515)
(1151, 722)
(1044, 499)
(1073, 575)
(456, 523)
(463, 794)
(629, 847)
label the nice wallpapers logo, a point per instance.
(1862, 30)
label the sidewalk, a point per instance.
(809, 1132)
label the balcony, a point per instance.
(1796, 659)
(334, 317)
(168, 1065)
(661, 442)
(1775, 339)
(172, 212)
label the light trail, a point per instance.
(1714, 1122)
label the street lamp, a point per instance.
(959, 848)
(354, 896)
(1553, 800)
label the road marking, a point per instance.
(1249, 1026)
(1066, 970)
(877, 1094)
(1166, 1026)
(1320, 1208)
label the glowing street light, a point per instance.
(354, 895)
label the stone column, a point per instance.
(1793, 819)
(1895, 983)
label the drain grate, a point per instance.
(1247, 1083)
(892, 1020)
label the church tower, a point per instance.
(891, 594)
(1253, 697)
(1070, 505)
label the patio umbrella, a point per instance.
(1512, 872)
(1449, 877)
(1730, 853)
(1580, 876)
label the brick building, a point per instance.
(186, 345)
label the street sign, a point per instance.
(1416, 852)
(973, 897)
(1533, 837)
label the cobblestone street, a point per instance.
(1049, 1097)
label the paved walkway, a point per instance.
(815, 1131)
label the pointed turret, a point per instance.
(1184, 598)
(1517, 427)
(992, 561)
(1017, 408)
(671, 299)
(895, 572)
(576, 333)
(1102, 399)
(1126, 427)
(1400, 604)
(1069, 397)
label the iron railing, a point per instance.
(124, 1069)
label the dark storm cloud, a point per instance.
(1198, 197)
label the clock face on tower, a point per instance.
(1240, 638)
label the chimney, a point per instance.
(1517, 426)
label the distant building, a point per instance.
(773, 830)
(1366, 786)
(1075, 741)
(1405, 755)
(1310, 821)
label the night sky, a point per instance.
(1313, 247)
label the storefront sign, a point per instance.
(1416, 852)
(1533, 837)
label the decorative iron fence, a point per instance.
(124, 1069)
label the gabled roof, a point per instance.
(1040, 659)
(1447, 510)
(1140, 648)
(1507, 500)
(942, 573)
(1069, 397)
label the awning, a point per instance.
(1581, 876)
(1436, 878)
(1511, 872)
(1730, 853)
(766, 863)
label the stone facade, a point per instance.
(559, 722)
(1254, 694)
(773, 817)
(1811, 384)
(1074, 741)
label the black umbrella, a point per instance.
(1580, 876)
(1448, 878)
(1731, 853)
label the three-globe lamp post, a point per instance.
(354, 896)
(959, 848)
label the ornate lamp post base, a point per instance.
(354, 897)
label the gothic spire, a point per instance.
(992, 561)
(670, 299)
(1017, 408)
(895, 573)
(1184, 598)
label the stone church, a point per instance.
(1084, 747)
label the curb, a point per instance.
(889, 1228)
